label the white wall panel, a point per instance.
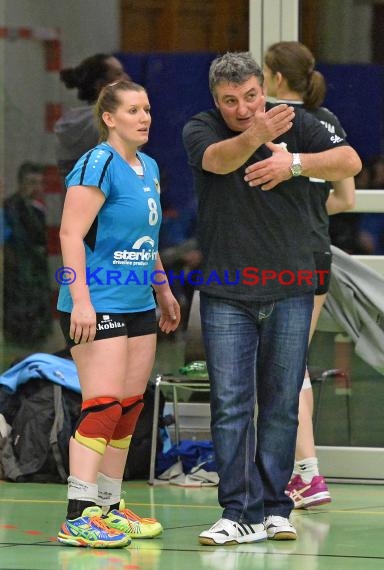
(271, 21)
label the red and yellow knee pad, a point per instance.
(131, 409)
(97, 422)
(105, 420)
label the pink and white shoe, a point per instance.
(306, 495)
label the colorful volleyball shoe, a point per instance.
(90, 530)
(125, 520)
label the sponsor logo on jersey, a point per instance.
(140, 253)
(336, 139)
(145, 239)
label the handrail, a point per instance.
(375, 262)
(369, 201)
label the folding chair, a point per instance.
(342, 378)
(194, 351)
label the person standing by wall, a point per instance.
(76, 130)
(27, 290)
(109, 240)
(254, 233)
(291, 77)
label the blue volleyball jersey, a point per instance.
(122, 244)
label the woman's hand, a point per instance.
(83, 322)
(169, 310)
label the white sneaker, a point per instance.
(279, 528)
(225, 531)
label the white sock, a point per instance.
(307, 381)
(81, 490)
(109, 491)
(306, 468)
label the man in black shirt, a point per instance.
(257, 287)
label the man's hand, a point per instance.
(271, 171)
(229, 154)
(269, 125)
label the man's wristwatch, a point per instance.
(296, 167)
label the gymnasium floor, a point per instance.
(347, 534)
(344, 535)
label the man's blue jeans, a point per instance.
(256, 355)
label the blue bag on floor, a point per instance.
(192, 453)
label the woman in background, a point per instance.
(291, 77)
(76, 130)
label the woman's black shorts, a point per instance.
(323, 260)
(110, 325)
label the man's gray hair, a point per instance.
(234, 67)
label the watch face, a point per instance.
(296, 169)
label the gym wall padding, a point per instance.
(178, 88)
(356, 95)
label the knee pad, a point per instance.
(97, 422)
(131, 408)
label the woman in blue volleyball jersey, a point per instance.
(109, 228)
